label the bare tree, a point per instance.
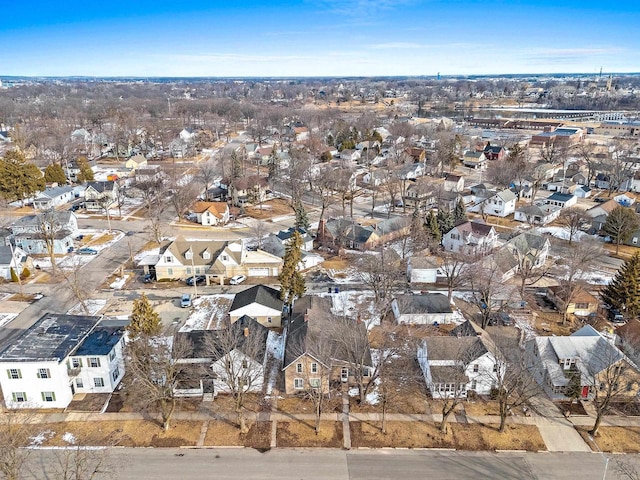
(489, 292)
(207, 174)
(182, 196)
(240, 370)
(611, 376)
(78, 462)
(574, 219)
(77, 280)
(578, 261)
(152, 374)
(514, 385)
(50, 228)
(456, 269)
(15, 432)
(586, 152)
(380, 273)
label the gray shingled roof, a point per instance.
(425, 303)
(261, 294)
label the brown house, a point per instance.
(582, 303)
(311, 359)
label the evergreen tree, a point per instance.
(144, 319)
(18, 178)
(623, 293)
(460, 213)
(302, 219)
(55, 174)
(433, 227)
(86, 173)
(445, 221)
(273, 163)
(236, 166)
(291, 280)
(574, 389)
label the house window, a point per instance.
(474, 384)
(476, 368)
(314, 368)
(225, 258)
(94, 362)
(582, 305)
(76, 362)
(112, 355)
(19, 397)
(188, 270)
(14, 373)
(206, 255)
(79, 383)
(188, 255)
(167, 259)
(365, 372)
(314, 382)
(299, 368)
(48, 396)
(98, 381)
(169, 271)
(115, 374)
(269, 319)
(44, 373)
(245, 364)
(298, 383)
(495, 368)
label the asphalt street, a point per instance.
(329, 464)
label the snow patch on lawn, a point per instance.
(40, 438)
(351, 303)
(93, 307)
(69, 438)
(119, 282)
(208, 313)
(275, 355)
(562, 232)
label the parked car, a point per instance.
(79, 237)
(74, 208)
(501, 319)
(147, 278)
(86, 251)
(237, 280)
(185, 301)
(198, 279)
(616, 316)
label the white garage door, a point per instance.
(258, 272)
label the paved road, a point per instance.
(328, 464)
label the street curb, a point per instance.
(510, 451)
(211, 447)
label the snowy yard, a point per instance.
(353, 303)
(93, 307)
(274, 357)
(6, 318)
(208, 313)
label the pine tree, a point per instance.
(86, 173)
(302, 219)
(574, 389)
(291, 280)
(144, 319)
(433, 227)
(460, 213)
(273, 162)
(55, 174)
(236, 166)
(445, 221)
(18, 178)
(623, 293)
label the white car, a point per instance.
(237, 280)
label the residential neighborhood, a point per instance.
(374, 277)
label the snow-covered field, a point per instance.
(208, 313)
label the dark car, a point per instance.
(616, 316)
(74, 208)
(501, 319)
(86, 251)
(147, 278)
(199, 280)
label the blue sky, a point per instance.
(317, 37)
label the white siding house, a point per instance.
(470, 238)
(59, 356)
(426, 309)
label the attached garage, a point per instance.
(259, 272)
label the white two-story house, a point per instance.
(61, 355)
(470, 238)
(460, 363)
(499, 204)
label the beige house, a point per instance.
(135, 162)
(582, 303)
(216, 260)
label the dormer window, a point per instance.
(206, 255)
(188, 254)
(225, 258)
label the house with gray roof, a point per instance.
(470, 238)
(13, 258)
(500, 203)
(537, 214)
(585, 355)
(562, 200)
(425, 309)
(463, 362)
(347, 233)
(53, 197)
(261, 303)
(59, 356)
(27, 231)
